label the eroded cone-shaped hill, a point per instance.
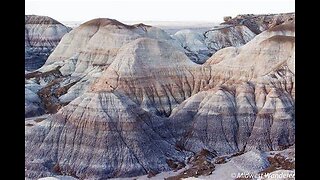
(266, 52)
(250, 101)
(81, 57)
(42, 35)
(89, 49)
(154, 74)
(240, 99)
(94, 44)
(99, 135)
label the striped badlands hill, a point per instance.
(132, 103)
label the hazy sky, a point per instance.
(154, 10)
